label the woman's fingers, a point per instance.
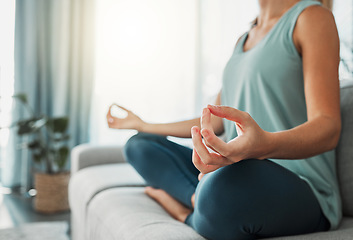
(206, 157)
(112, 121)
(109, 112)
(110, 118)
(206, 124)
(201, 166)
(114, 104)
(215, 143)
(229, 113)
(211, 140)
(201, 149)
(206, 119)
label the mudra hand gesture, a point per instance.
(251, 141)
(131, 121)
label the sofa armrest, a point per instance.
(86, 155)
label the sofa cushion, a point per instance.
(88, 182)
(129, 214)
(344, 150)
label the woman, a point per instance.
(280, 112)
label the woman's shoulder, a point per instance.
(313, 25)
(315, 16)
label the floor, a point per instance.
(16, 209)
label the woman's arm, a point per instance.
(178, 129)
(316, 38)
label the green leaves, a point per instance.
(34, 145)
(37, 158)
(58, 124)
(63, 153)
(30, 125)
(22, 97)
(47, 137)
(60, 138)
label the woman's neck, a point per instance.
(271, 10)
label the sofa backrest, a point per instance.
(344, 150)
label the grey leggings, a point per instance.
(246, 200)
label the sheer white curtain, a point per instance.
(53, 64)
(162, 59)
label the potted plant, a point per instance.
(47, 141)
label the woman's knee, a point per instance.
(234, 187)
(227, 200)
(251, 198)
(139, 145)
(134, 145)
(213, 215)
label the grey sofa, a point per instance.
(107, 200)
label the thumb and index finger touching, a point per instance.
(123, 113)
(110, 116)
(119, 106)
(212, 141)
(229, 113)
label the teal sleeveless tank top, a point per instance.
(267, 82)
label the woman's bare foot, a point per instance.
(172, 206)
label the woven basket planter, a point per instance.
(52, 192)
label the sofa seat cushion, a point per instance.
(88, 182)
(129, 214)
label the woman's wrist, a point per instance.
(270, 146)
(142, 126)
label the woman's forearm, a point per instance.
(176, 129)
(309, 139)
(180, 129)
(183, 129)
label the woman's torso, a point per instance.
(267, 82)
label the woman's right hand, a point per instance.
(131, 121)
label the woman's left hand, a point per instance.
(251, 142)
